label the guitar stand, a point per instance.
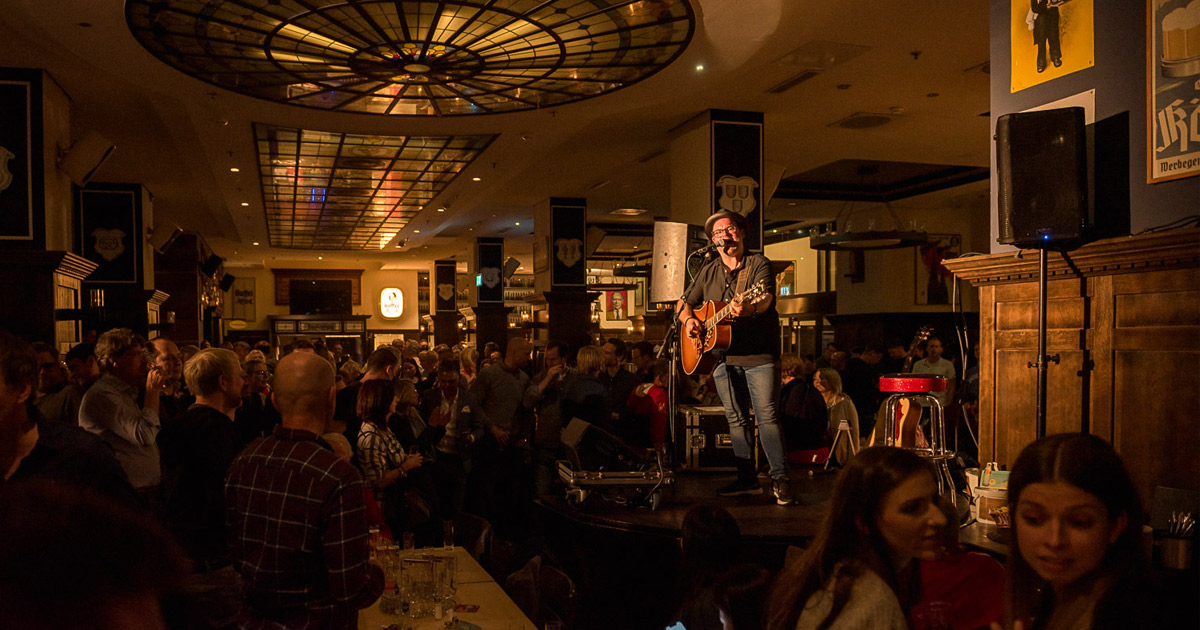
(843, 429)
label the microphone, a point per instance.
(719, 243)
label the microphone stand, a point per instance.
(670, 345)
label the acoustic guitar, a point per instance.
(908, 414)
(695, 353)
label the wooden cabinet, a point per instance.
(1124, 317)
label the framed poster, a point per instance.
(1172, 89)
(616, 305)
(1049, 39)
(933, 279)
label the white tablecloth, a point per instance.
(475, 587)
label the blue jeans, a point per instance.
(760, 385)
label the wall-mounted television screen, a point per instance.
(320, 297)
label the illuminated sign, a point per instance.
(391, 303)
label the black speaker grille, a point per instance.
(1041, 161)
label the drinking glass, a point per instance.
(417, 585)
(448, 534)
(409, 541)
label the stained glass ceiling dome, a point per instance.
(417, 58)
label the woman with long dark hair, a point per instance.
(381, 457)
(862, 569)
(709, 544)
(1077, 561)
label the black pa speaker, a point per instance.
(227, 281)
(1041, 163)
(211, 264)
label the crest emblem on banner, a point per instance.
(568, 251)
(737, 194)
(489, 276)
(6, 176)
(109, 243)
(445, 291)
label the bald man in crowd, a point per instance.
(296, 514)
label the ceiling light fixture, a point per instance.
(699, 68)
(245, 203)
(628, 212)
(254, 243)
(235, 169)
(476, 179)
(866, 228)
(441, 209)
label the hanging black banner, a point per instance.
(568, 237)
(489, 264)
(444, 290)
(737, 168)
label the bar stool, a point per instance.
(920, 388)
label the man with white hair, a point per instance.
(196, 450)
(296, 513)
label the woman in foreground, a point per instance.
(861, 570)
(1077, 521)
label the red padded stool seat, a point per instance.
(912, 383)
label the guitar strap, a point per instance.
(743, 278)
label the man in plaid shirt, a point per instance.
(296, 519)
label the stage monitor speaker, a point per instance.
(1041, 163)
(668, 272)
(162, 237)
(211, 265)
(227, 281)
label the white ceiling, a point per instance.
(179, 136)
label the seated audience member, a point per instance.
(295, 513)
(454, 407)
(584, 396)
(385, 465)
(31, 449)
(648, 403)
(82, 365)
(802, 412)
(175, 397)
(257, 416)
(960, 590)
(196, 450)
(1077, 559)
(110, 409)
(839, 407)
(70, 559)
(709, 543)
(741, 595)
(56, 399)
(860, 571)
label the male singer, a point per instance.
(749, 369)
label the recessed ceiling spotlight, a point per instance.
(254, 243)
(476, 179)
(245, 203)
(416, 231)
(320, 258)
(441, 209)
(235, 169)
(699, 67)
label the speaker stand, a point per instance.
(1043, 360)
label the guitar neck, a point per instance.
(724, 312)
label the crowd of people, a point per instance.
(242, 486)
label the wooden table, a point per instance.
(475, 587)
(974, 536)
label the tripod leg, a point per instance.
(833, 447)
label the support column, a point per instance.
(560, 266)
(491, 315)
(445, 303)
